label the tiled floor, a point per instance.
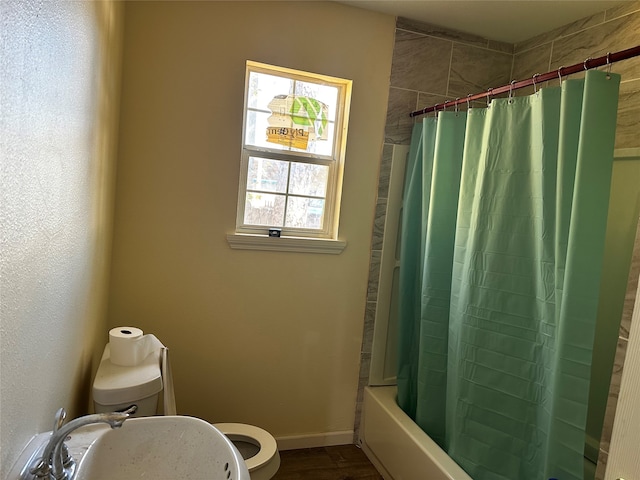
(343, 462)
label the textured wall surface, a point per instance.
(58, 70)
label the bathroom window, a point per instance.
(294, 136)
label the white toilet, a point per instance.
(116, 387)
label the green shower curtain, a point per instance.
(503, 226)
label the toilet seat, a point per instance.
(250, 433)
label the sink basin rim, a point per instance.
(151, 442)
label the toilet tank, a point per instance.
(116, 387)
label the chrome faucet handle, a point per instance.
(40, 469)
(55, 463)
(130, 410)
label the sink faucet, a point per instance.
(55, 463)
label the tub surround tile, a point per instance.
(365, 366)
(365, 363)
(385, 171)
(478, 104)
(563, 31)
(628, 115)
(602, 465)
(535, 60)
(617, 34)
(429, 100)
(363, 381)
(399, 123)
(440, 32)
(378, 224)
(474, 70)
(420, 62)
(500, 46)
(528, 63)
(399, 135)
(374, 276)
(620, 10)
(369, 321)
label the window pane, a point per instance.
(308, 179)
(263, 87)
(266, 174)
(256, 130)
(304, 212)
(320, 147)
(323, 93)
(264, 209)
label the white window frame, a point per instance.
(254, 236)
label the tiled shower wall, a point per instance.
(609, 31)
(432, 65)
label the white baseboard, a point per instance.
(315, 440)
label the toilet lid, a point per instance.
(115, 384)
(255, 435)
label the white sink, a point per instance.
(172, 447)
(154, 448)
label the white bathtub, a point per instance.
(398, 448)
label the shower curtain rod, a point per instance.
(588, 64)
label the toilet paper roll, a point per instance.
(129, 346)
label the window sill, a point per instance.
(240, 241)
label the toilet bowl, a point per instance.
(116, 387)
(257, 446)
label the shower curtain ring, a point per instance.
(489, 96)
(468, 102)
(456, 104)
(584, 64)
(560, 74)
(511, 91)
(535, 88)
(608, 65)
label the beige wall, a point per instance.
(266, 338)
(58, 90)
